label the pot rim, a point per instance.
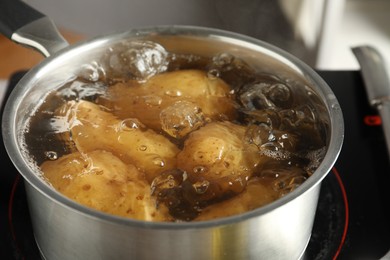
(333, 107)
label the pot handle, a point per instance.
(22, 24)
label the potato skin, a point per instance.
(256, 194)
(220, 148)
(214, 165)
(218, 156)
(101, 181)
(145, 101)
(91, 128)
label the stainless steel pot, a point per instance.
(66, 230)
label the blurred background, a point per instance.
(319, 32)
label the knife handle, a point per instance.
(14, 15)
(377, 84)
(27, 26)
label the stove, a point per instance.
(352, 218)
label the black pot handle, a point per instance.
(25, 25)
(15, 14)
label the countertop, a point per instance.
(14, 57)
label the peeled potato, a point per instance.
(145, 101)
(255, 195)
(217, 159)
(102, 181)
(91, 129)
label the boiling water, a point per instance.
(285, 124)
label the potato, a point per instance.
(256, 194)
(102, 181)
(91, 129)
(218, 161)
(146, 101)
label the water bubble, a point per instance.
(166, 180)
(282, 176)
(131, 124)
(199, 169)
(252, 97)
(295, 118)
(158, 161)
(152, 100)
(213, 74)
(265, 95)
(315, 158)
(139, 60)
(51, 155)
(231, 69)
(223, 60)
(273, 152)
(92, 71)
(181, 118)
(269, 139)
(268, 117)
(173, 93)
(166, 187)
(142, 148)
(304, 121)
(179, 61)
(201, 186)
(280, 94)
(269, 147)
(286, 184)
(257, 134)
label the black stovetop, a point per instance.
(353, 215)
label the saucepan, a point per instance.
(65, 229)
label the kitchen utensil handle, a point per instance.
(14, 15)
(377, 84)
(23, 24)
(375, 77)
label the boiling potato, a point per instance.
(256, 194)
(102, 181)
(218, 161)
(91, 129)
(145, 101)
